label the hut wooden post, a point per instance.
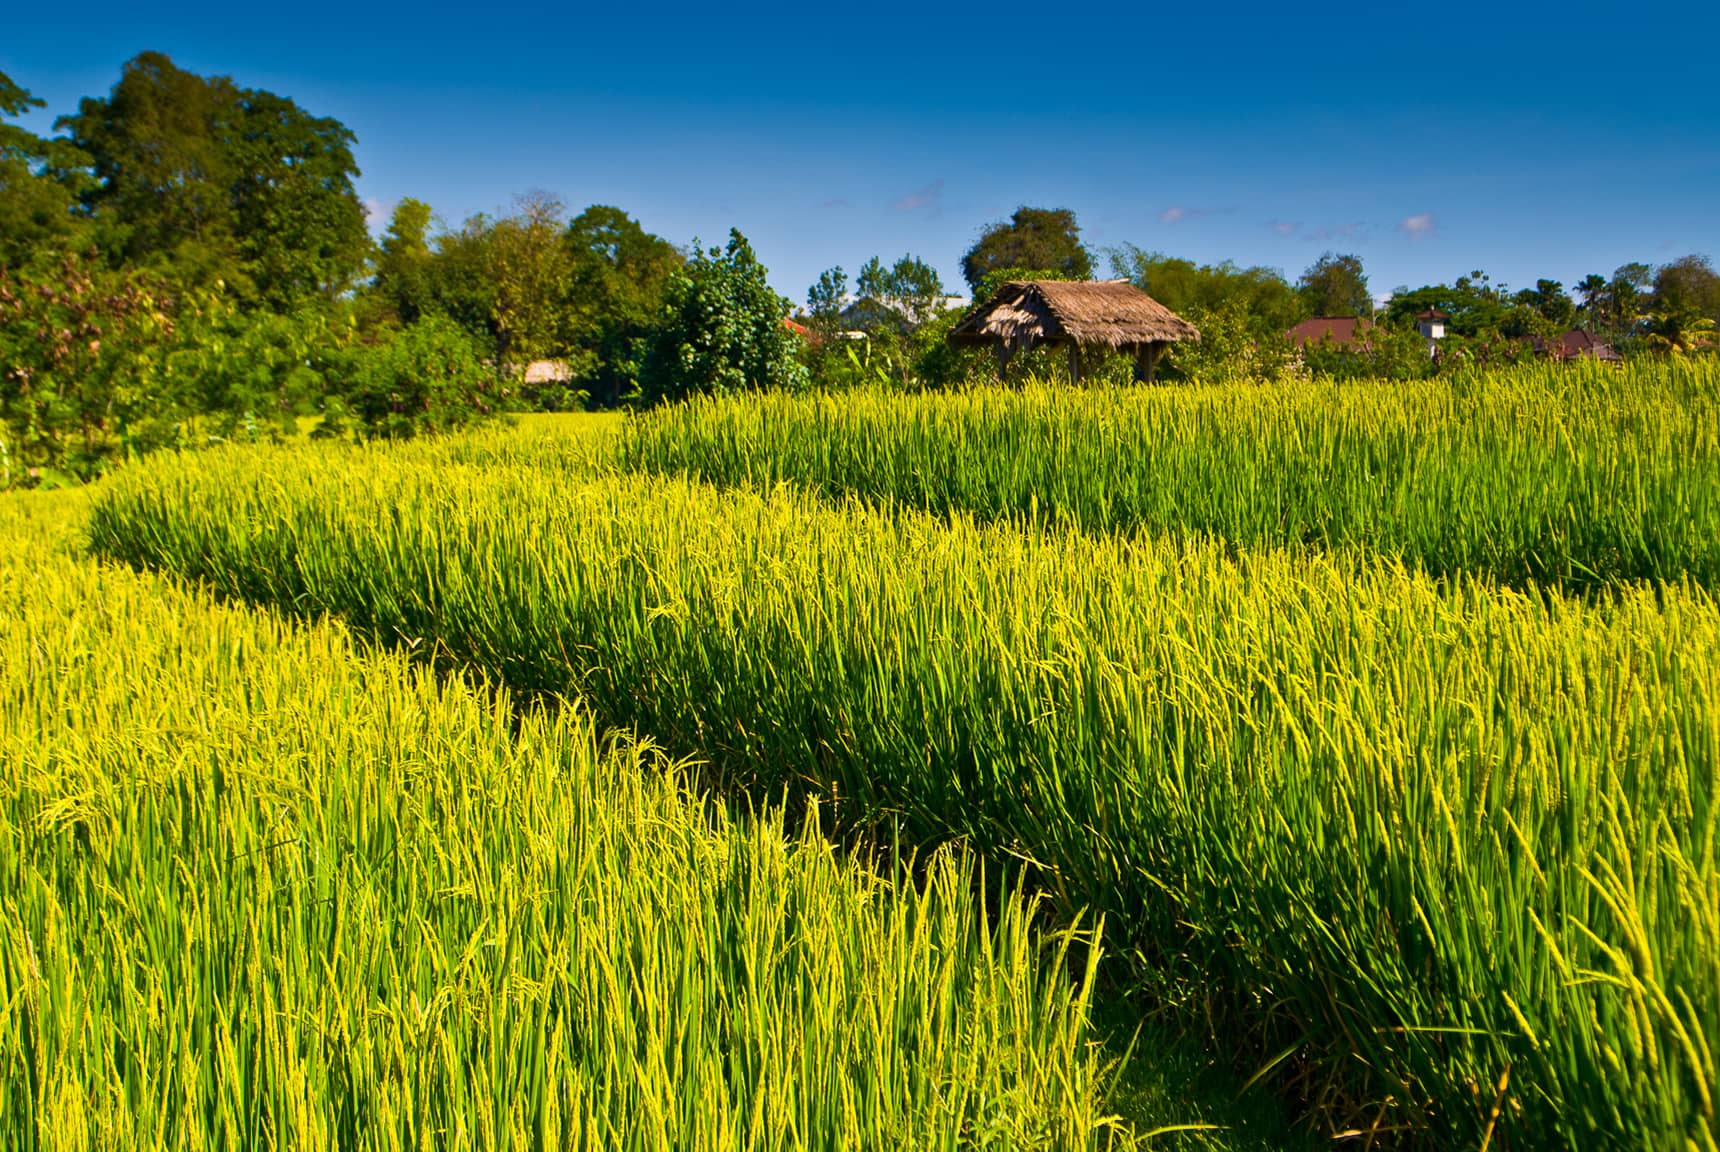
(1147, 361)
(1001, 352)
(1074, 362)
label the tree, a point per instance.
(721, 330)
(1261, 297)
(910, 288)
(1548, 300)
(1688, 284)
(1593, 290)
(403, 262)
(824, 299)
(1040, 239)
(620, 273)
(221, 183)
(36, 210)
(532, 272)
(1335, 285)
(428, 377)
(298, 219)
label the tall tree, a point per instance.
(824, 300)
(36, 210)
(1036, 239)
(404, 261)
(532, 273)
(620, 273)
(1689, 284)
(910, 288)
(1335, 285)
(298, 218)
(220, 182)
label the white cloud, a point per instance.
(931, 196)
(376, 213)
(1418, 226)
(1285, 228)
(1172, 215)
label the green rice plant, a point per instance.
(264, 888)
(1574, 475)
(1446, 847)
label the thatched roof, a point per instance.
(1110, 312)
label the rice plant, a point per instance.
(1564, 474)
(1444, 847)
(265, 888)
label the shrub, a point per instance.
(721, 330)
(428, 377)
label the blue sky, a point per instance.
(1525, 139)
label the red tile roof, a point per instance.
(1340, 330)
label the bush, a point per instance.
(427, 377)
(721, 330)
(84, 367)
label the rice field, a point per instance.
(1570, 475)
(269, 886)
(1432, 852)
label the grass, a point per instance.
(1446, 847)
(268, 887)
(1569, 475)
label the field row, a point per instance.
(265, 888)
(1451, 845)
(1569, 475)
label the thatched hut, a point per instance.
(1112, 315)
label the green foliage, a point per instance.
(721, 330)
(1234, 344)
(404, 268)
(219, 184)
(620, 274)
(36, 210)
(428, 377)
(910, 289)
(1335, 285)
(255, 374)
(825, 299)
(1260, 295)
(85, 365)
(1039, 238)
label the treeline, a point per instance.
(188, 260)
(1246, 314)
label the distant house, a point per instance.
(798, 328)
(1431, 325)
(1342, 331)
(1576, 344)
(547, 372)
(870, 314)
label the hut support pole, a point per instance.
(1147, 361)
(1074, 363)
(1001, 352)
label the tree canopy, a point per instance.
(221, 183)
(1260, 294)
(1335, 285)
(1039, 239)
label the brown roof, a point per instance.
(1575, 343)
(1340, 330)
(1110, 312)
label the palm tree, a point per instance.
(1680, 329)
